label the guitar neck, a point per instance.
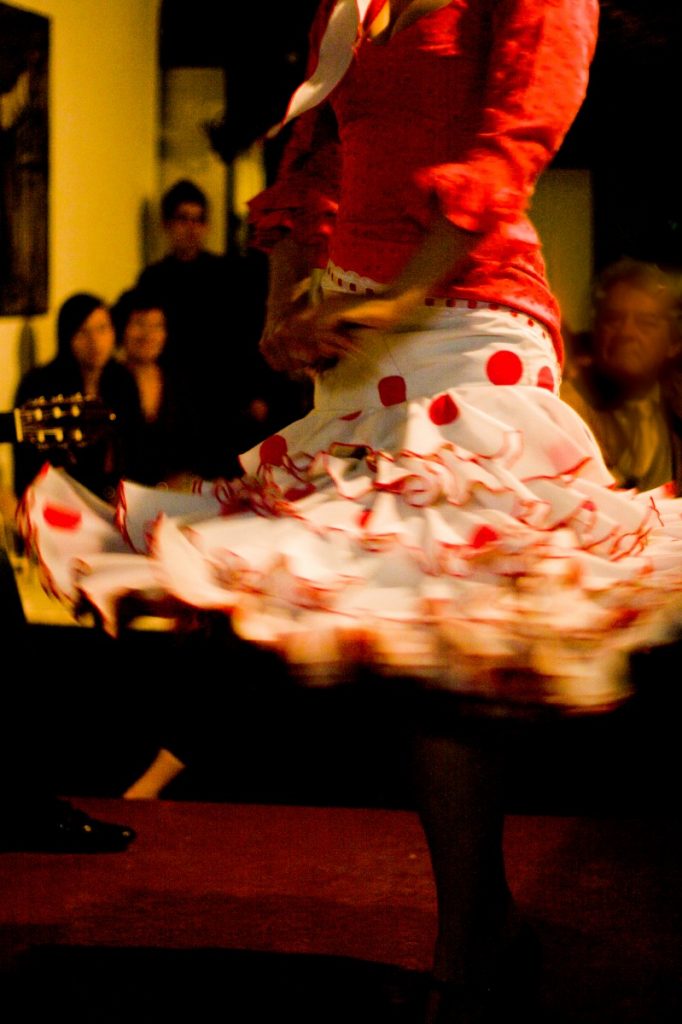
(71, 421)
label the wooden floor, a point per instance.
(288, 876)
(328, 914)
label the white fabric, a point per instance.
(467, 535)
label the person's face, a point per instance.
(635, 335)
(145, 335)
(93, 343)
(187, 230)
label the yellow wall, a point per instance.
(563, 216)
(104, 112)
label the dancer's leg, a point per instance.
(222, 691)
(485, 955)
(164, 768)
(460, 799)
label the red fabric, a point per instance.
(460, 110)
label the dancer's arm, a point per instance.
(443, 249)
(539, 61)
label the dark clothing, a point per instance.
(214, 309)
(199, 355)
(168, 445)
(101, 464)
(193, 295)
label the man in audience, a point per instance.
(189, 281)
(629, 392)
(214, 308)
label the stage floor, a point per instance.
(327, 914)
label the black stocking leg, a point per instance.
(459, 792)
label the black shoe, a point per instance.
(521, 962)
(58, 827)
(448, 1003)
(509, 993)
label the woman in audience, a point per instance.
(169, 431)
(84, 364)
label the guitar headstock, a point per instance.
(72, 421)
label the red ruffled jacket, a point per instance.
(461, 110)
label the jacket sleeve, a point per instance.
(537, 79)
(304, 199)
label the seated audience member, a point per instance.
(627, 391)
(84, 364)
(166, 446)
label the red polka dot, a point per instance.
(531, 323)
(451, 303)
(62, 518)
(392, 390)
(353, 287)
(273, 450)
(443, 410)
(364, 516)
(546, 378)
(494, 306)
(472, 304)
(504, 367)
(351, 415)
(589, 506)
(482, 536)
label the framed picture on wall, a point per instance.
(24, 136)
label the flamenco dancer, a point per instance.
(440, 514)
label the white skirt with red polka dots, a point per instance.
(440, 514)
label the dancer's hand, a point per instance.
(295, 345)
(307, 337)
(285, 343)
(342, 316)
(303, 336)
(316, 336)
(334, 327)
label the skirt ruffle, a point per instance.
(471, 539)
